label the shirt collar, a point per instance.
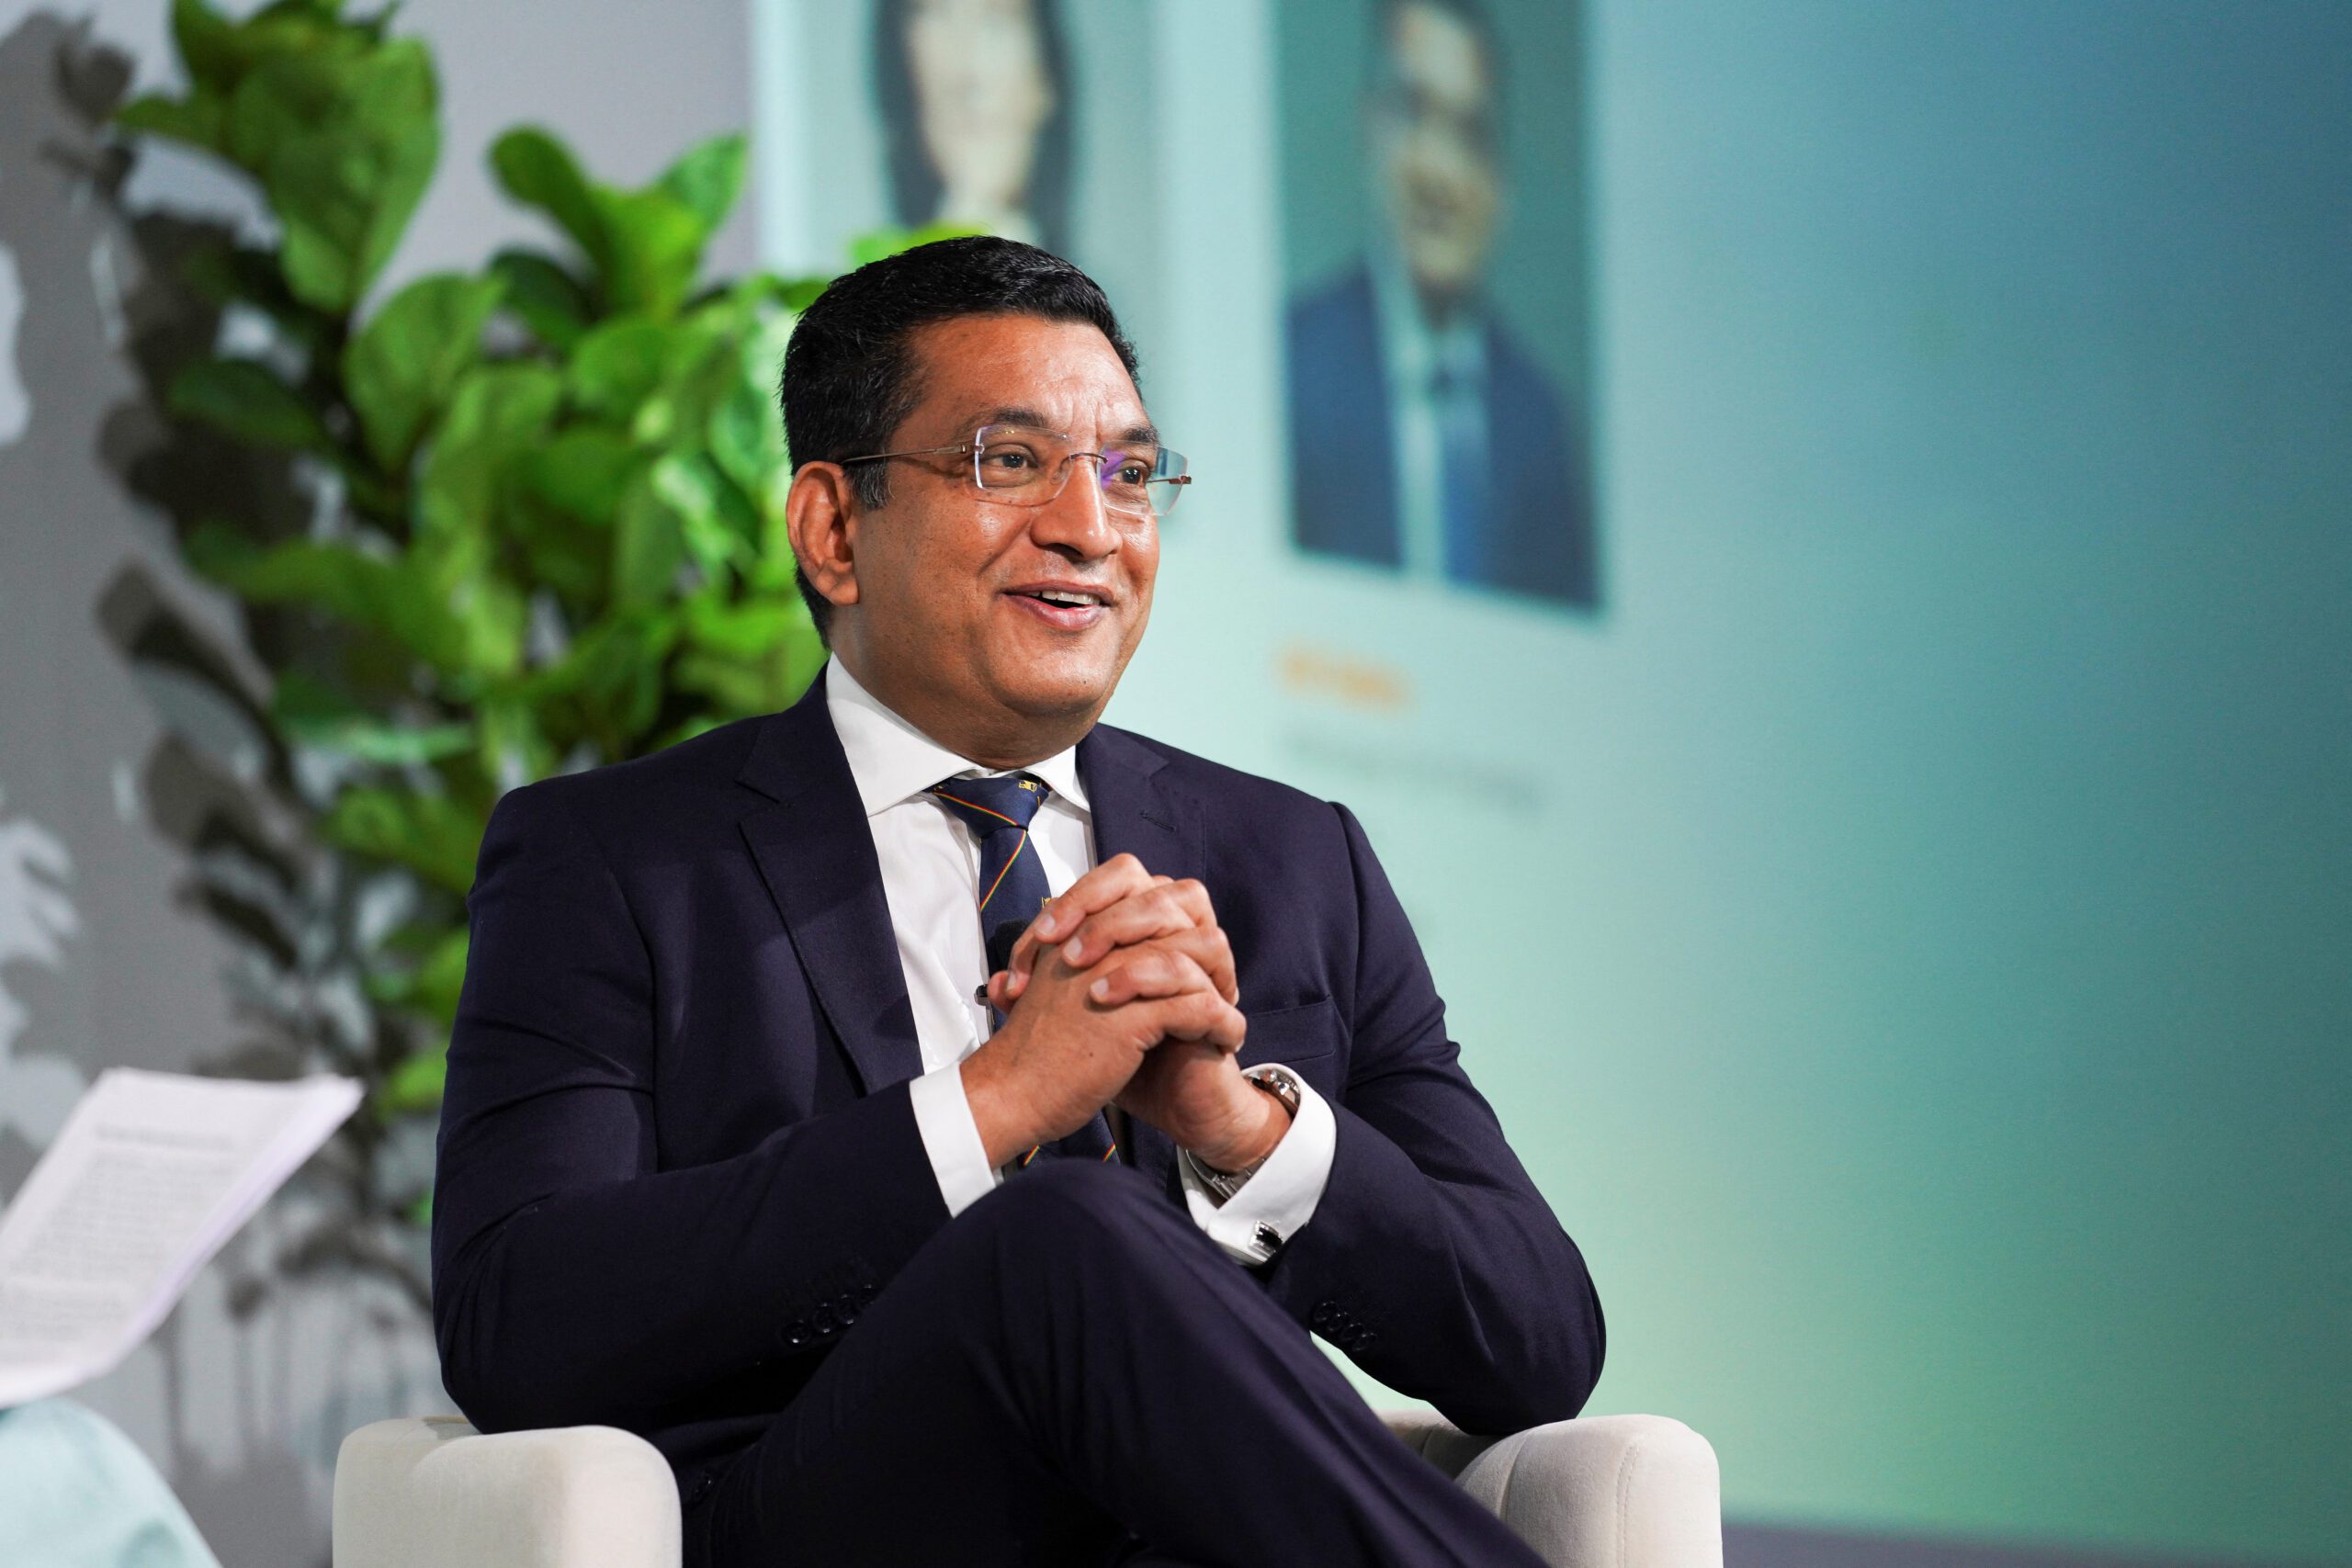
(1414, 348)
(891, 760)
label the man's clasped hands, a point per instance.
(1122, 990)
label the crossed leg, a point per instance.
(1068, 1369)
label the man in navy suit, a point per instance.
(1423, 436)
(936, 1120)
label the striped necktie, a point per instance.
(1012, 888)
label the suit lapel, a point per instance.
(816, 851)
(1136, 811)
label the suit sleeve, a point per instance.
(1433, 1260)
(574, 1279)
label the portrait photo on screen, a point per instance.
(1437, 311)
(1029, 119)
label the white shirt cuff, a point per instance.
(1279, 1197)
(952, 1139)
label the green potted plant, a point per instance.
(492, 526)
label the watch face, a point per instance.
(1278, 1086)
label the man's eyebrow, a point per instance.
(1134, 436)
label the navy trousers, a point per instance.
(1071, 1373)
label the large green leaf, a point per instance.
(653, 248)
(417, 1085)
(244, 398)
(497, 421)
(649, 546)
(197, 118)
(610, 683)
(312, 714)
(745, 630)
(403, 364)
(721, 527)
(743, 431)
(749, 657)
(707, 179)
(619, 366)
(499, 415)
(743, 435)
(512, 740)
(344, 138)
(375, 593)
(583, 471)
(538, 171)
(226, 274)
(431, 986)
(217, 52)
(551, 302)
(563, 508)
(431, 834)
(645, 245)
(207, 44)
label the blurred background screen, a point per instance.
(1815, 537)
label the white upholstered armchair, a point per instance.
(1605, 1492)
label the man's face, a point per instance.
(982, 94)
(946, 617)
(1436, 133)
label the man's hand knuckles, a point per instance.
(1194, 896)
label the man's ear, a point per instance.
(820, 515)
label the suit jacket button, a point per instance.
(1324, 1314)
(823, 1319)
(796, 1333)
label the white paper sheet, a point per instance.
(152, 1173)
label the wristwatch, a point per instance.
(1224, 1184)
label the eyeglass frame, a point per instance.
(1176, 482)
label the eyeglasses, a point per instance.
(1024, 467)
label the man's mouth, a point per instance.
(1068, 607)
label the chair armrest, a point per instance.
(433, 1493)
(1601, 1491)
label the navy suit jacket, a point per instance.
(1343, 466)
(677, 1152)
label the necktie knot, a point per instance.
(991, 805)
(1013, 881)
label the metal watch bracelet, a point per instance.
(1224, 1184)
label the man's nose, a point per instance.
(1078, 521)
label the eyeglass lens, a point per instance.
(1028, 468)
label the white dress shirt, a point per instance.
(931, 874)
(1412, 353)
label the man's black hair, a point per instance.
(850, 373)
(915, 184)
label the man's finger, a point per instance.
(1209, 947)
(1140, 917)
(1211, 950)
(1099, 889)
(1147, 972)
(1199, 1014)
